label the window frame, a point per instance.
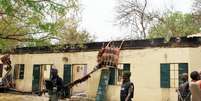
(19, 70)
(175, 76)
(118, 78)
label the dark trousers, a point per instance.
(185, 98)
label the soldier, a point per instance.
(127, 88)
(184, 91)
(54, 86)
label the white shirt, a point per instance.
(195, 90)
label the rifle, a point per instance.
(179, 94)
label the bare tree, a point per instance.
(197, 11)
(134, 13)
(197, 6)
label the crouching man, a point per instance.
(54, 86)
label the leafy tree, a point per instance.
(174, 24)
(70, 34)
(40, 22)
(33, 20)
(145, 23)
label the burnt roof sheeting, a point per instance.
(128, 44)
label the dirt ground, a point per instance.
(17, 97)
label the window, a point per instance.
(117, 74)
(183, 68)
(174, 78)
(120, 74)
(126, 67)
(170, 74)
(21, 76)
(19, 71)
(112, 76)
(1, 70)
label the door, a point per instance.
(103, 83)
(67, 76)
(79, 70)
(36, 78)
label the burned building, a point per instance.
(155, 64)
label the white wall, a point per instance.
(145, 68)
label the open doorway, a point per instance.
(41, 72)
(79, 70)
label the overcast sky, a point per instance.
(98, 16)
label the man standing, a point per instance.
(195, 86)
(184, 91)
(55, 85)
(127, 88)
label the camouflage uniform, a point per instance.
(55, 86)
(56, 90)
(185, 91)
(127, 88)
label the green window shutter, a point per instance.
(67, 73)
(67, 76)
(1, 70)
(112, 76)
(36, 77)
(126, 67)
(21, 75)
(183, 68)
(165, 75)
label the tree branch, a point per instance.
(142, 19)
(17, 39)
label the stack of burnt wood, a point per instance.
(108, 56)
(7, 80)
